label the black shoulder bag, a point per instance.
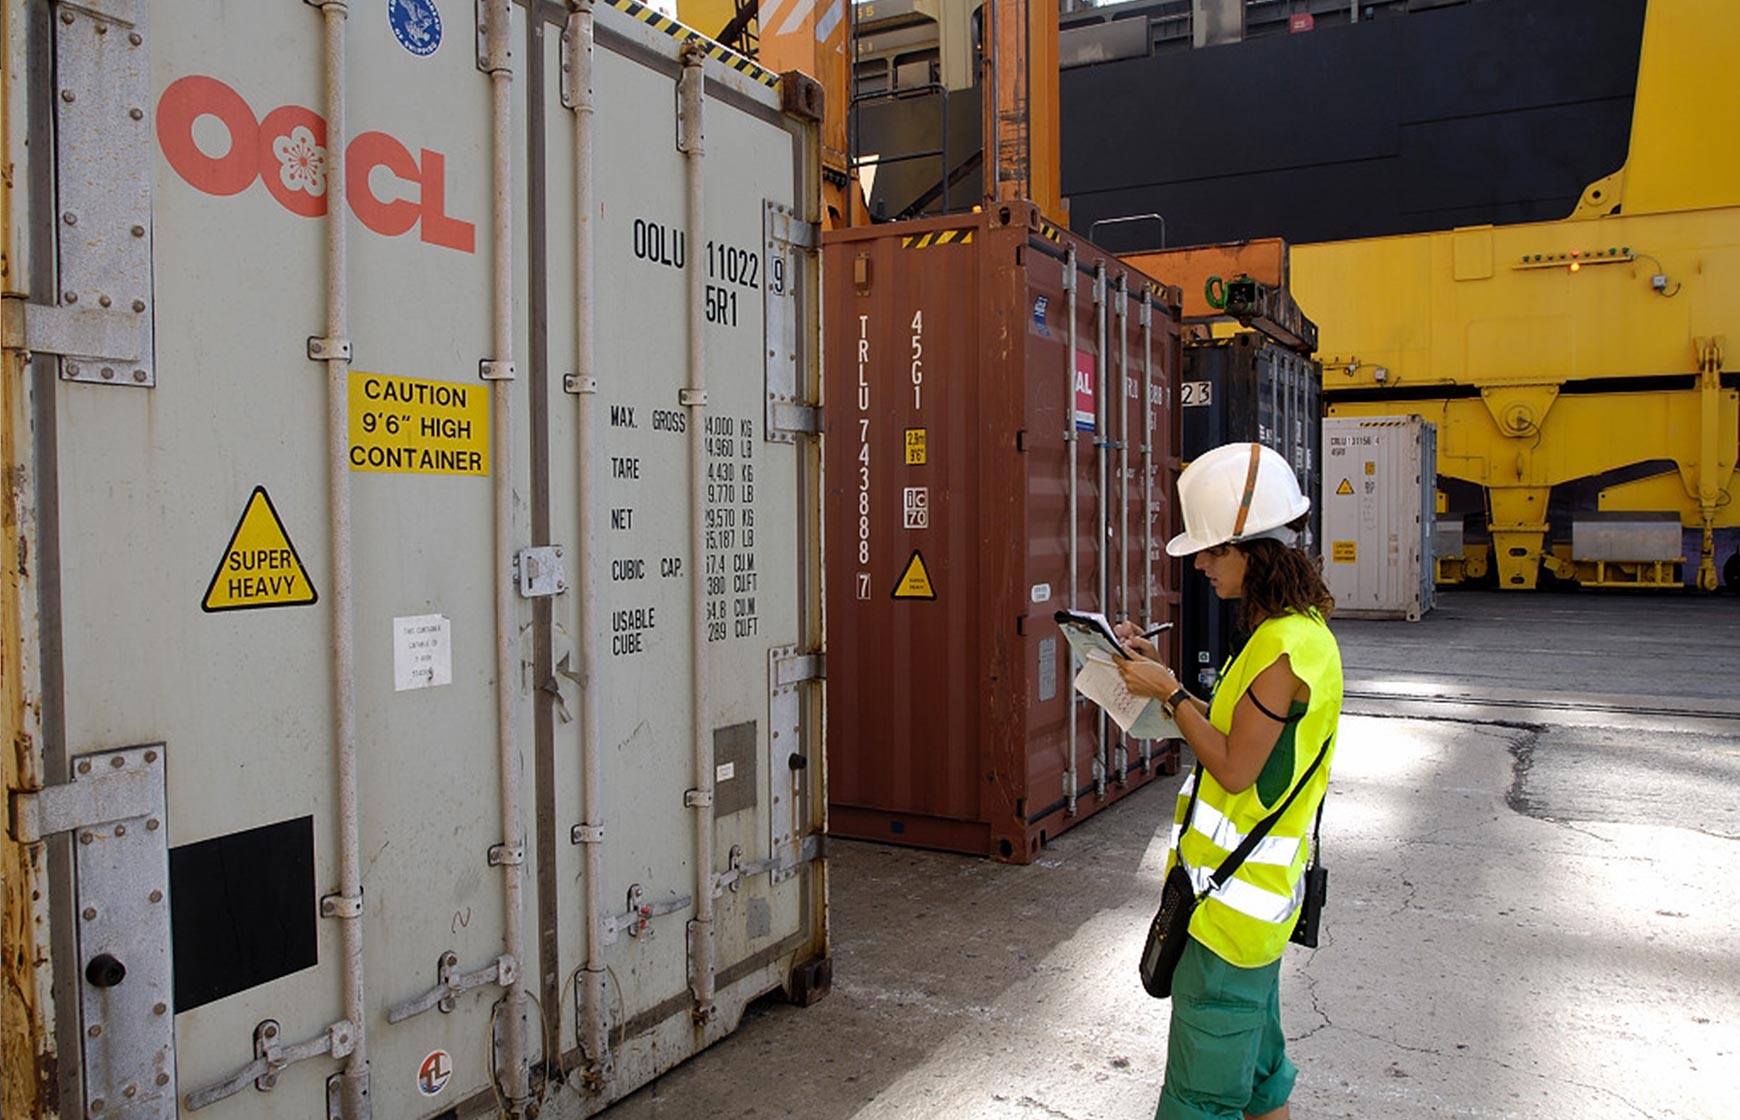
(1170, 928)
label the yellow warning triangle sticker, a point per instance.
(915, 581)
(1346, 487)
(260, 567)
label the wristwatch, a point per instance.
(1170, 704)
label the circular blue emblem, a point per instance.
(416, 24)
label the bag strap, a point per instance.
(1232, 862)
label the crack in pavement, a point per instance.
(1560, 1079)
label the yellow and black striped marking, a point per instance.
(716, 51)
(1050, 232)
(939, 237)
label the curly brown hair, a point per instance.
(1280, 579)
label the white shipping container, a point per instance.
(411, 594)
(1380, 480)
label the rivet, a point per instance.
(155, 896)
(84, 766)
(90, 913)
(96, 1030)
(85, 838)
(136, 114)
(140, 375)
(120, 830)
(150, 756)
(271, 1031)
(98, 1105)
(158, 1009)
(163, 1079)
(108, 373)
(138, 305)
(72, 370)
(70, 297)
(66, 17)
(68, 95)
(130, 1091)
(151, 825)
(118, 761)
(104, 300)
(135, 38)
(102, 29)
(70, 218)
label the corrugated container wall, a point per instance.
(1238, 389)
(1000, 402)
(412, 673)
(1380, 486)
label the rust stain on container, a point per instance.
(951, 394)
(29, 1079)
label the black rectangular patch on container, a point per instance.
(242, 910)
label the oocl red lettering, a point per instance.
(287, 151)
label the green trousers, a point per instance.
(1226, 1056)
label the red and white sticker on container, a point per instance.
(1085, 366)
(435, 1072)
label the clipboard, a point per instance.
(1090, 631)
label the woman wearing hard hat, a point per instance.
(1263, 743)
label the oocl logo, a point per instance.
(286, 150)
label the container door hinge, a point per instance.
(575, 384)
(450, 984)
(100, 323)
(692, 398)
(791, 668)
(636, 921)
(698, 799)
(789, 245)
(328, 349)
(539, 573)
(491, 369)
(114, 806)
(507, 855)
(272, 1057)
(586, 834)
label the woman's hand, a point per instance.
(1148, 678)
(1137, 646)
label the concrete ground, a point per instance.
(1534, 847)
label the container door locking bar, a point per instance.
(451, 984)
(272, 1057)
(114, 807)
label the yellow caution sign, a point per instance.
(915, 581)
(1344, 552)
(1370, 467)
(915, 452)
(260, 567)
(1345, 488)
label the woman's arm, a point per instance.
(1236, 758)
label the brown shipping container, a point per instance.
(954, 413)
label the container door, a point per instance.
(307, 652)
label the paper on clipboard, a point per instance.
(1139, 716)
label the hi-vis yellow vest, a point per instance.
(1248, 920)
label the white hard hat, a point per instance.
(1237, 492)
